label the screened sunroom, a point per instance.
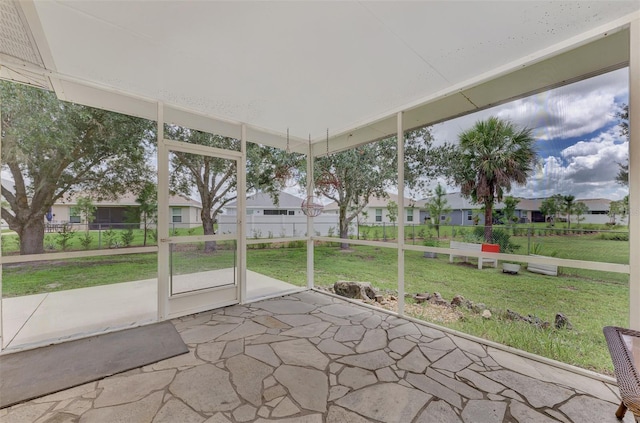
(222, 85)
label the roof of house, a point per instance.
(261, 200)
(128, 199)
(457, 201)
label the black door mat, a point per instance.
(34, 373)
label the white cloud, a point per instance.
(586, 169)
(565, 112)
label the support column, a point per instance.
(241, 217)
(634, 175)
(401, 217)
(310, 187)
(162, 225)
(2, 340)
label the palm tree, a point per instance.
(493, 155)
(568, 207)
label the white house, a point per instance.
(376, 212)
(266, 219)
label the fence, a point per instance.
(114, 235)
(418, 233)
(260, 226)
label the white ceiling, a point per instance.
(308, 66)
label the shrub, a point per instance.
(86, 240)
(499, 236)
(49, 243)
(127, 237)
(65, 235)
(615, 236)
(110, 238)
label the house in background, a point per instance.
(266, 219)
(463, 210)
(376, 212)
(184, 212)
(528, 210)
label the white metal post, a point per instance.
(162, 226)
(401, 217)
(634, 175)
(310, 258)
(241, 217)
(2, 341)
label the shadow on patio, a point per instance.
(310, 357)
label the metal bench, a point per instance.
(624, 347)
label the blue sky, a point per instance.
(577, 135)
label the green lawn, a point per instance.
(589, 299)
(99, 239)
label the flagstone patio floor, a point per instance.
(311, 358)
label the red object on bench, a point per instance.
(491, 248)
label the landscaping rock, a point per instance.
(421, 298)
(356, 290)
(562, 322)
(458, 301)
(531, 319)
(436, 298)
(479, 307)
(486, 314)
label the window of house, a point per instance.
(292, 212)
(74, 219)
(469, 215)
(443, 217)
(274, 212)
(378, 215)
(176, 214)
(249, 211)
(409, 215)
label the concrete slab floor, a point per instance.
(38, 319)
(312, 358)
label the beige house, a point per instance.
(184, 212)
(376, 211)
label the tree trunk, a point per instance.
(144, 243)
(344, 228)
(207, 226)
(488, 222)
(32, 237)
